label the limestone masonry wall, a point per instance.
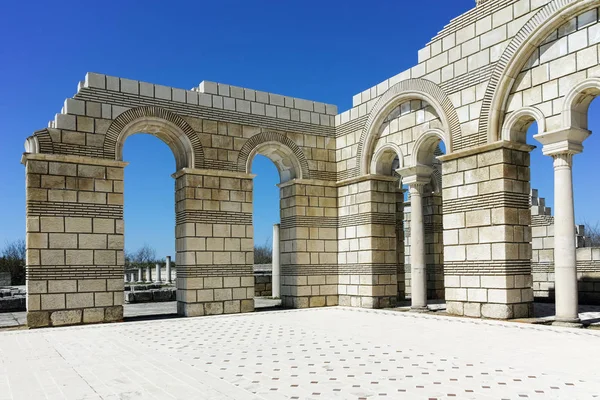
(345, 239)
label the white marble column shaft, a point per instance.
(565, 262)
(168, 266)
(157, 276)
(418, 266)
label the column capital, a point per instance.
(562, 160)
(419, 175)
(562, 141)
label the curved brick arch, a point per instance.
(264, 140)
(530, 36)
(411, 89)
(126, 119)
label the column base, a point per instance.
(571, 323)
(419, 309)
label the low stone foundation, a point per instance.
(156, 294)
(12, 299)
(5, 279)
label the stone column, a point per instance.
(158, 278)
(140, 275)
(276, 270)
(561, 145)
(126, 279)
(168, 266)
(148, 274)
(416, 178)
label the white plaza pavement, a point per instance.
(329, 353)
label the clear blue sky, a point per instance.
(325, 51)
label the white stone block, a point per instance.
(75, 107)
(146, 89)
(178, 95)
(191, 97)
(204, 99)
(242, 106)
(93, 80)
(129, 86)
(162, 92)
(208, 87)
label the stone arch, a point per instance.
(411, 89)
(283, 151)
(577, 102)
(518, 51)
(425, 147)
(516, 125)
(383, 159)
(167, 126)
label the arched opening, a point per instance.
(587, 217)
(426, 149)
(266, 214)
(412, 135)
(275, 160)
(149, 215)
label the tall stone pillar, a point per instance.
(168, 268)
(276, 270)
(75, 258)
(158, 278)
(148, 274)
(308, 240)
(417, 178)
(487, 233)
(140, 275)
(561, 145)
(367, 242)
(215, 250)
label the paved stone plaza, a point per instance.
(302, 354)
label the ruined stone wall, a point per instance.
(542, 261)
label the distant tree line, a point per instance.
(591, 234)
(12, 260)
(263, 254)
(143, 257)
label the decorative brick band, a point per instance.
(44, 140)
(367, 219)
(220, 165)
(352, 126)
(117, 126)
(74, 272)
(198, 271)
(63, 209)
(213, 217)
(324, 175)
(542, 267)
(78, 150)
(341, 269)
(542, 220)
(306, 221)
(486, 202)
(265, 137)
(588, 266)
(465, 80)
(491, 268)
